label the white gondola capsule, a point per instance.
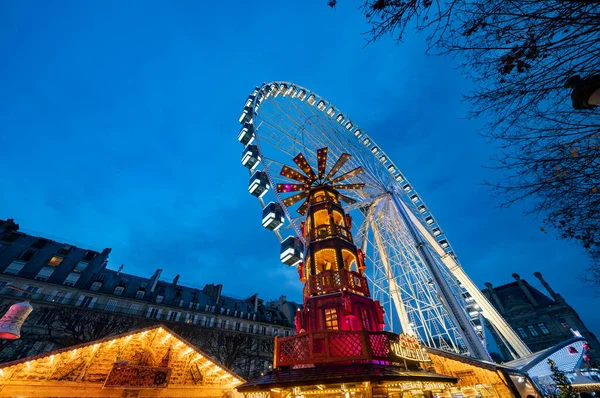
(436, 232)
(391, 168)
(374, 150)
(357, 133)
(321, 105)
(267, 90)
(292, 251)
(274, 90)
(399, 178)
(348, 126)
(250, 157)
(422, 209)
(255, 91)
(259, 184)
(444, 243)
(383, 158)
(273, 216)
(283, 89)
(340, 118)
(293, 91)
(330, 111)
(311, 99)
(246, 135)
(302, 95)
(246, 116)
(250, 100)
(414, 198)
(366, 141)
(406, 188)
(429, 220)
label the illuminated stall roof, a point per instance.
(153, 358)
(536, 364)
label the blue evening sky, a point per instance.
(118, 127)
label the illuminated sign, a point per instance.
(408, 347)
(129, 376)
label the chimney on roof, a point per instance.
(154, 280)
(553, 294)
(495, 297)
(175, 280)
(525, 290)
(120, 269)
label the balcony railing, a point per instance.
(334, 280)
(334, 346)
(330, 230)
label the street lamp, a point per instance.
(586, 91)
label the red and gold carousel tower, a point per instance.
(340, 346)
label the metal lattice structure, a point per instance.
(414, 272)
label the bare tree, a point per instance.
(519, 53)
(68, 326)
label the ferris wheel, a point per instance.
(413, 271)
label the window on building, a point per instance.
(119, 290)
(331, 319)
(96, 286)
(111, 305)
(532, 330)
(263, 330)
(179, 303)
(238, 326)
(40, 243)
(159, 299)
(174, 316)
(71, 279)
(206, 321)
(11, 237)
(57, 296)
(154, 313)
(275, 332)
(89, 255)
(86, 301)
(28, 255)
(4, 286)
(522, 333)
(55, 261)
(81, 266)
(66, 249)
(33, 290)
(286, 333)
(543, 328)
(14, 268)
(135, 309)
(250, 328)
(140, 294)
(44, 273)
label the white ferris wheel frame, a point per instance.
(436, 311)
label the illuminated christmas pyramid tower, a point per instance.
(340, 345)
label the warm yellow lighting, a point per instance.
(28, 365)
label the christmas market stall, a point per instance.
(148, 362)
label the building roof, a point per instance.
(511, 293)
(476, 362)
(339, 374)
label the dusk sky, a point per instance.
(118, 127)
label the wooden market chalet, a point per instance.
(341, 348)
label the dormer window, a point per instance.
(119, 290)
(96, 286)
(55, 261)
(159, 299)
(140, 294)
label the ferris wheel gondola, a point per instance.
(414, 271)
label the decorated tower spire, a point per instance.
(336, 293)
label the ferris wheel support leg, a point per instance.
(458, 316)
(488, 310)
(392, 282)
